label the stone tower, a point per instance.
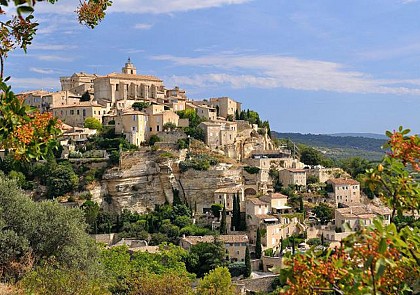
(129, 68)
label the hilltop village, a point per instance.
(155, 147)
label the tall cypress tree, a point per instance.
(258, 246)
(248, 268)
(281, 246)
(223, 226)
(234, 224)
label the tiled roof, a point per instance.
(81, 104)
(278, 196)
(343, 181)
(210, 239)
(230, 190)
(363, 211)
(132, 77)
(256, 201)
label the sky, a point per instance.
(308, 66)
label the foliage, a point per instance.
(205, 257)
(355, 166)
(37, 231)
(391, 180)
(314, 242)
(160, 284)
(85, 96)
(215, 209)
(25, 133)
(191, 115)
(153, 139)
(324, 212)
(198, 162)
(258, 246)
(248, 267)
(370, 263)
(169, 126)
(92, 123)
(236, 214)
(61, 180)
(223, 225)
(50, 279)
(381, 259)
(140, 105)
(252, 169)
(310, 156)
(216, 282)
(91, 211)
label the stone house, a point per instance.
(219, 133)
(44, 101)
(292, 176)
(128, 85)
(360, 215)
(345, 191)
(225, 196)
(78, 83)
(226, 106)
(75, 115)
(206, 112)
(134, 126)
(235, 245)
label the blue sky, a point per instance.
(307, 66)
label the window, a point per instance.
(78, 112)
(134, 117)
(71, 112)
(117, 87)
(157, 128)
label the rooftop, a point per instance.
(256, 201)
(343, 181)
(210, 239)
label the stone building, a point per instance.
(358, 216)
(44, 101)
(225, 195)
(292, 177)
(219, 133)
(75, 115)
(235, 245)
(78, 83)
(127, 85)
(134, 126)
(345, 191)
(226, 106)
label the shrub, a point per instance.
(153, 139)
(252, 169)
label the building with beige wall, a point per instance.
(323, 174)
(78, 83)
(206, 112)
(75, 115)
(225, 195)
(226, 106)
(359, 216)
(157, 121)
(128, 85)
(134, 126)
(345, 191)
(235, 245)
(44, 101)
(219, 133)
(292, 176)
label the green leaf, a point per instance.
(380, 267)
(382, 246)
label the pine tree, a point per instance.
(258, 247)
(301, 208)
(223, 226)
(281, 246)
(248, 268)
(238, 213)
(322, 239)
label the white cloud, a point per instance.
(275, 71)
(53, 58)
(140, 6)
(34, 83)
(42, 71)
(143, 26)
(53, 47)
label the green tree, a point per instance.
(324, 212)
(91, 211)
(355, 166)
(215, 209)
(248, 268)
(310, 156)
(93, 123)
(42, 230)
(153, 139)
(169, 126)
(216, 282)
(85, 96)
(223, 225)
(205, 257)
(258, 246)
(61, 180)
(140, 105)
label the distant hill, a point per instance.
(367, 135)
(339, 147)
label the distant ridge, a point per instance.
(366, 135)
(340, 146)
